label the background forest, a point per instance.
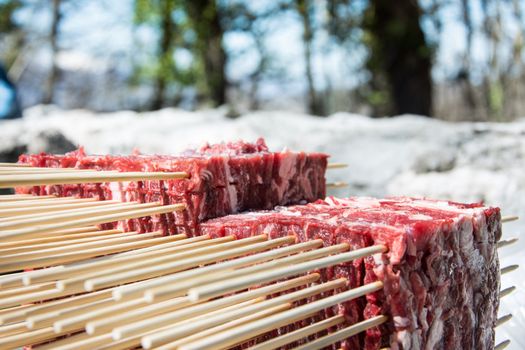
(449, 59)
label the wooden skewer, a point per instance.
(344, 333)
(115, 270)
(26, 233)
(78, 321)
(171, 285)
(506, 291)
(28, 337)
(68, 257)
(80, 341)
(21, 314)
(509, 268)
(106, 324)
(47, 319)
(219, 288)
(183, 264)
(248, 331)
(176, 284)
(202, 310)
(228, 325)
(74, 244)
(100, 265)
(61, 241)
(35, 170)
(134, 341)
(509, 218)
(507, 242)
(31, 203)
(90, 232)
(51, 208)
(8, 181)
(12, 329)
(22, 197)
(502, 345)
(503, 319)
(9, 256)
(336, 165)
(25, 289)
(82, 213)
(337, 184)
(15, 165)
(299, 334)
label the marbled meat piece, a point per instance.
(440, 275)
(223, 179)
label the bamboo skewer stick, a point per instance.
(106, 324)
(39, 170)
(336, 165)
(28, 337)
(52, 208)
(23, 197)
(73, 214)
(17, 165)
(219, 288)
(343, 333)
(79, 321)
(337, 184)
(12, 329)
(26, 233)
(91, 232)
(25, 289)
(49, 318)
(165, 288)
(202, 310)
(508, 269)
(19, 315)
(509, 218)
(183, 264)
(81, 255)
(248, 331)
(299, 334)
(134, 341)
(73, 244)
(7, 181)
(226, 326)
(82, 342)
(507, 242)
(502, 345)
(503, 319)
(30, 203)
(61, 241)
(172, 285)
(114, 271)
(506, 291)
(101, 265)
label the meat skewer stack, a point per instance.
(356, 272)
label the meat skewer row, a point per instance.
(127, 306)
(229, 285)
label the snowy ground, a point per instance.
(406, 155)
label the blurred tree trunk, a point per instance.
(464, 74)
(206, 23)
(165, 54)
(53, 39)
(304, 8)
(401, 54)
